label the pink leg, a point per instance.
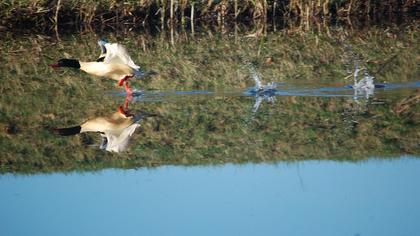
(128, 89)
(126, 101)
(121, 111)
(124, 112)
(127, 77)
(121, 82)
(128, 95)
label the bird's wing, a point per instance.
(101, 44)
(119, 142)
(116, 53)
(256, 79)
(257, 104)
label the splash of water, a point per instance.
(261, 92)
(364, 86)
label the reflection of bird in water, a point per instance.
(114, 63)
(261, 92)
(116, 129)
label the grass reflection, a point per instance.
(210, 130)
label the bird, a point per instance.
(115, 129)
(113, 62)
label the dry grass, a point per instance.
(163, 12)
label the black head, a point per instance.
(73, 63)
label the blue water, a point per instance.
(282, 89)
(375, 197)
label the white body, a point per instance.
(102, 69)
(116, 64)
(116, 128)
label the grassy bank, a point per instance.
(27, 13)
(209, 130)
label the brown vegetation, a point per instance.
(143, 13)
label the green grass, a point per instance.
(208, 130)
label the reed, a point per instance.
(44, 12)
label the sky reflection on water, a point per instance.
(375, 197)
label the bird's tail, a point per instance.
(68, 131)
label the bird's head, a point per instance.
(72, 63)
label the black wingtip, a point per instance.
(101, 59)
(68, 131)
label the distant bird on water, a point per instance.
(114, 63)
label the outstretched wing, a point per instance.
(101, 44)
(118, 142)
(117, 54)
(258, 100)
(256, 79)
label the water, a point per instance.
(375, 197)
(277, 89)
(238, 135)
(215, 98)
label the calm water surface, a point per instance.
(374, 197)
